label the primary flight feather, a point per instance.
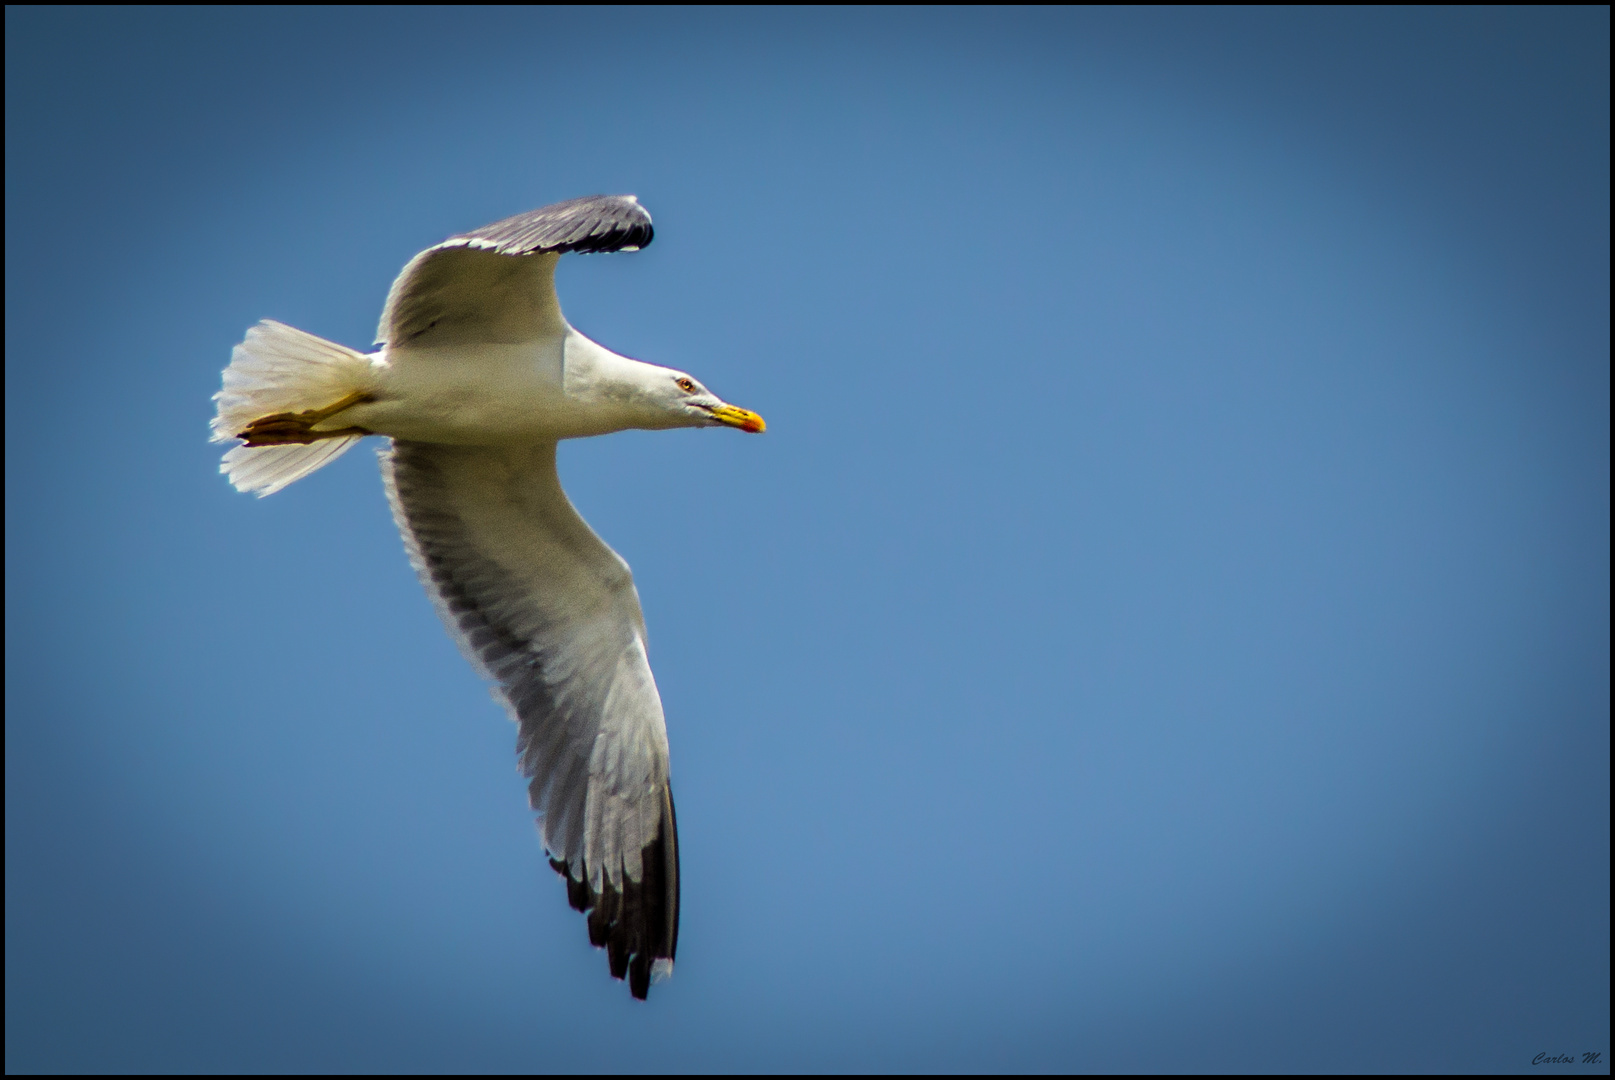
(475, 378)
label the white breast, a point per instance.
(480, 394)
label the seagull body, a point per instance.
(476, 378)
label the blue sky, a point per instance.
(1165, 625)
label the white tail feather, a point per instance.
(267, 469)
(277, 369)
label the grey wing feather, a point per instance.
(545, 609)
(470, 288)
(592, 223)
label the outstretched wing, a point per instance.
(545, 609)
(497, 283)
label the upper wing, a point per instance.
(542, 606)
(469, 288)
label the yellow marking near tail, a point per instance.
(281, 429)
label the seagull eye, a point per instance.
(687, 385)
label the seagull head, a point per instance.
(623, 392)
(686, 403)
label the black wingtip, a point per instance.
(639, 977)
(638, 924)
(594, 223)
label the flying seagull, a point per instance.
(475, 377)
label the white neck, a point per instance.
(615, 391)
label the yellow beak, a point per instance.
(735, 416)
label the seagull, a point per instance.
(474, 379)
